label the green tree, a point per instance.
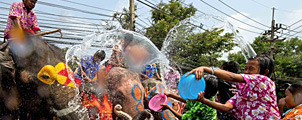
(201, 49)
(287, 55)
(165, 17)
(124, 17)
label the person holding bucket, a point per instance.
(256, 97)
(196, 110)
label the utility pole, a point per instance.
(132, 15)
(273, 39)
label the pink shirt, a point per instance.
(28, 20)
(256, 99)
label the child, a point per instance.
(197, 110)
(226, 90)
(292, 100)
(256, 96)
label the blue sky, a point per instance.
(287, 12)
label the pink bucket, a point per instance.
(156, 101)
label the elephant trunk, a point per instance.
(120, 114)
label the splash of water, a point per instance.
(197, 24)
(131, 47)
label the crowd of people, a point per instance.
(250, 94)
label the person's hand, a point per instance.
(282, 102)
(200, 97)
(198, 72)
(164, 107)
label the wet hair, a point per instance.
(231, 66)
(211, 86)
(295, 88)
(266, 63)
(100, 54)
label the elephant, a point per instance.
(31, 98)
(124, 89)
(28, 97)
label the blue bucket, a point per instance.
(189, 87)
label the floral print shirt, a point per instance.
(256, 99)
(172, 77)
(89, 68)
(150, 70)
(28, 21)
(294, 114)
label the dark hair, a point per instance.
(295, 88)
(231, 66)
(211, 86)
(266, 63)
(100, 54)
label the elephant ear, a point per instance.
(47, 74)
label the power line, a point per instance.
(66, 16)
(275, 8)
(71, 8)
(261, 4)
(5, 3)
(52, 14)
(242, 14)
(67, 29)
(295, 34)
(64, 25)
(147, 4)
(230, 15)
(248, 30)
(150, 2)
(142, 21)
(90, 6)
(200, 11)
(295, 22)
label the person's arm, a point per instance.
(225, 75)
(164, 107)
(218, 106)
(157, 75)
(176, 97)
(144, 76)
(281, 105)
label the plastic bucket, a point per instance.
(156, 101)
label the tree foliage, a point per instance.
(287, 55)
(165, 17)
(202, 49)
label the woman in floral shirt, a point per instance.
(256, 97)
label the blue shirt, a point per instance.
(89, 68)
(150, 70)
